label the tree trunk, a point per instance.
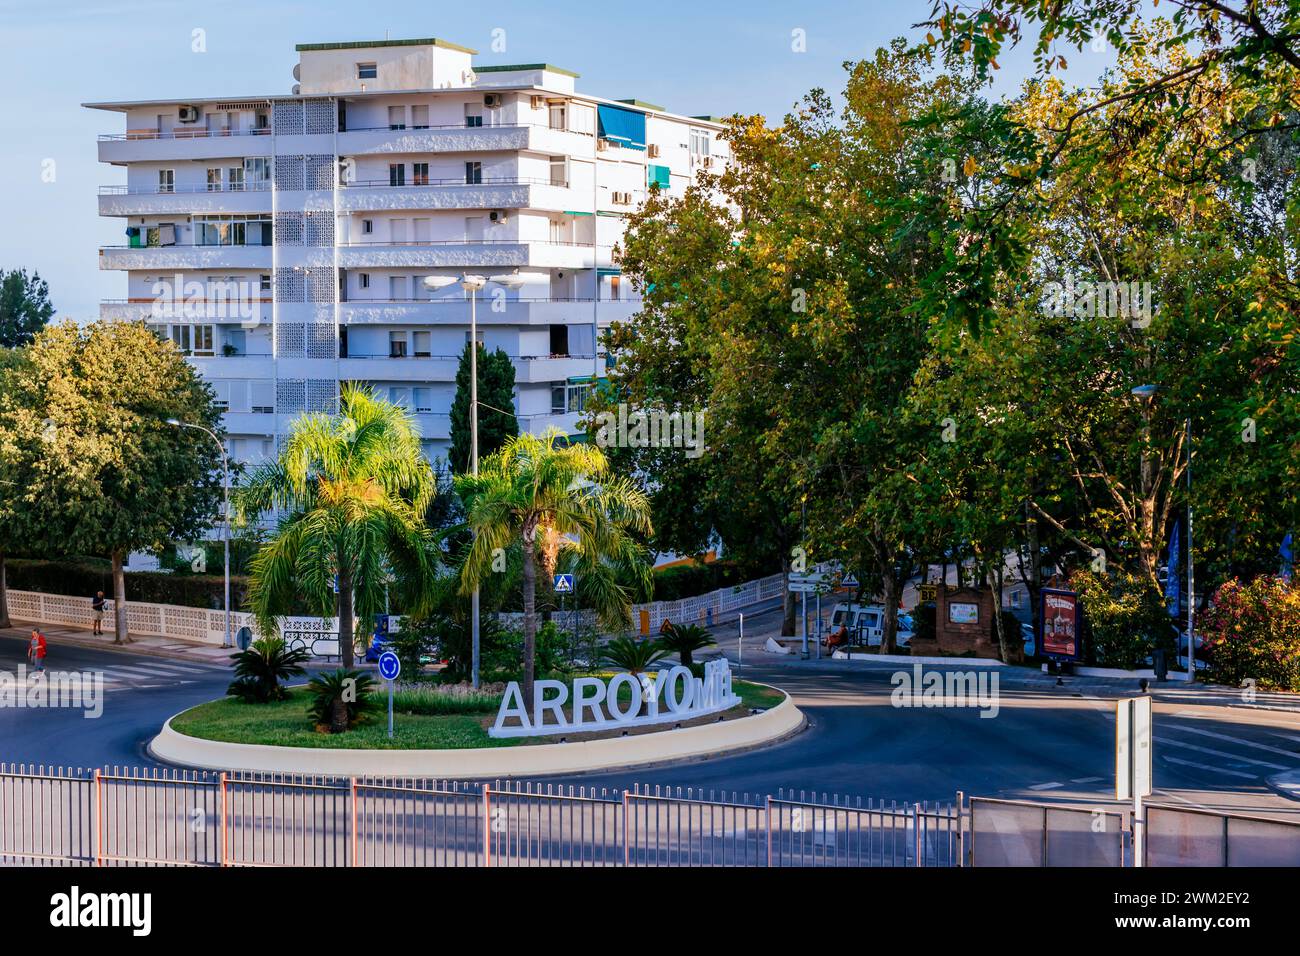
(338, 716)
(347, 623)
(4, 594)
(530, 616)
(889, 592)
(995, 583)
(787, 600)
(121, 634)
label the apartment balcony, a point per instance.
(387, 141)
(476, 253)
(185, 257)
(183, 200)
(163, 309)
(531, 369)
(384, 368)
(513, 192)
(182, 145)
(220, 366)
(455, 311)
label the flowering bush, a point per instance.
(1252, 631)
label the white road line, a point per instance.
(1205, 766)
(135, 672)
(1087, 779)
(157, 670)
(1236, 740)
(1221, 753)
(1046, 786)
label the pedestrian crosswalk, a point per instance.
(118, 677)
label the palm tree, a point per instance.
(553, 498)
(684, 640)
(632, 655)
(352, 489)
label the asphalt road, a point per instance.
(1044, 743)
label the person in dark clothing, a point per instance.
(97, 607)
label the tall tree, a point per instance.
(353, 489)
(25, 307)
(496, 414)
(553, 498)
(96, 468)
(12, 534)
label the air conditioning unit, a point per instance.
(653, 150)
(707, 162)
(537, 102)
(491, 100)
(498, 216)
(602, 145)
(623, 199)
(189, 114)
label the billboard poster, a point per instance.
(1059, 624)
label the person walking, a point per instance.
(36, 651)
(97, 606)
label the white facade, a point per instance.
(282, 241)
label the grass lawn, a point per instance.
(286, 724)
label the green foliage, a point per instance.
(503, 654)
(1124, 616)
(341, 699)
(415, 643)
(632, 655)
(262, 670)
(556, 502)
(1251, 632)
(698, 577)
(496, 416)
(85, 576)
(433, 700)
(24, 307)
(353, 489)
(684, 640)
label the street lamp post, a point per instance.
(225, 487)
(472, 284)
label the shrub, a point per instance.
(450, 699)
(690, 580)
(416, 641)
(684, 639)
(341, 699)
(84, 576)
(923, 621)
(631, 655)
(260, 671)
(1125, 618)
(1252, 631)
(505, 658)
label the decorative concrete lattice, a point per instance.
(320, 116)
(320, 171)
(320, 284)
(322, 395)
(320, 228)
(289, 339)
(290, 285)
(290, 395)
(289, 228)
(286, 117)
(289, 172)
(322, 340)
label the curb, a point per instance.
(615, 753)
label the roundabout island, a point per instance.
(595, 722)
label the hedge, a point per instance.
(84, 578)
(690, 580)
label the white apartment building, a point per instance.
(282, 241)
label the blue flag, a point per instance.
(1171, 577)
(1285, 553)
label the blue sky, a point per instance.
(692, 58)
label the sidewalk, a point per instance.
(142, 646)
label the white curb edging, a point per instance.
(900, 659)
(610, 753)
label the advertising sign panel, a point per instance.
(1059, 623)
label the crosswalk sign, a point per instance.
(564, 584)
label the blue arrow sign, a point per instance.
(564, 584)
(389, 666)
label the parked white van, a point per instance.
(866, 624)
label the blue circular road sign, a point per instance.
(389, 666)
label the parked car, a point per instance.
(866, 623)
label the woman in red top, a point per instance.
(36, 650)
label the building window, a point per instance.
(397, 345)
(264, 283)
(420, 117)
(193, 339)
(367, 227)
(473, 173)
(397, 117)
(423, 344)
(556, 116)
(367, 71)
(559, 170)
(420, 174)
(235, 178)
(566, 398)
(699, 142)
(166, 180)
(473, 119)
(396, 174)
(363, 280)
(559, 340)
(214, 180)
(423, 399)
(257, 172)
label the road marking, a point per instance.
(1205, 766)
(1236, 740)
(1221, 753)
(1046, 786)
(1087, 779)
